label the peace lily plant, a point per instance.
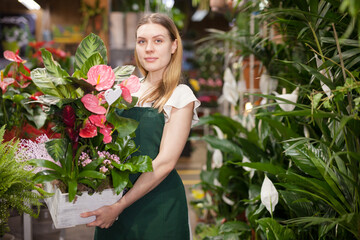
(95, 150)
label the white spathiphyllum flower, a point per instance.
(217, 159)
(227, 200)
(306, 132)
(219, 133)
(216, 182)
(251, 170)
(327, 73)
(230, 92)
(267, 84)
(269, 195)
(292, 97)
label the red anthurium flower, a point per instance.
(98, 120)
(101, 97)
(92, 104)
(88, 131)
(14, 57)
(107, 134)
(129, 86)
(101, 76)
(5, 82)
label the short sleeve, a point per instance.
(182, 96)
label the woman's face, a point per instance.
(154, 47)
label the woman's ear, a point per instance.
(174, 46)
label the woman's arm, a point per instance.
(176, 131)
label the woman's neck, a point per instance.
(153, 79)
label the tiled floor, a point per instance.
(187, 167)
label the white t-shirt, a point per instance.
(182, 96)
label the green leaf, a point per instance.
(44, 82)
(52, 67)
(46, 164)
(265, 167)
(234, 227)
(224, 145)
(120, 180)
(91, 174)
(57, 149)
(274, 230)
(143, 163)
(123, 72)
(89, 45)
(72, 189)
(124, 126)
(93, 60)
(316, 100)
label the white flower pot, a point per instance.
(66, 214)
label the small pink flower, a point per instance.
(129, 86)
(218, 82)
(101, 76)
(14, 57)
(202, 81)
(211, 82)
(92, 104)
(103, 169)
(89, 130)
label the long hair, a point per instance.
(171, 76)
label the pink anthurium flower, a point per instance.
(129, 86)
(92, 104)
(89, 130)
(98, 120)
(107, 134)
(14, 57)
(101, 76)
(5, 82)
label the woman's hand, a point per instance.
(105, 216)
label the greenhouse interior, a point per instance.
(272, 150)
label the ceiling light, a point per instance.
(30, 4)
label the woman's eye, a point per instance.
(140, 41)
(158, 41)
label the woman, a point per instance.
(155, 207)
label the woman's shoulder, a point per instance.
(182, 96)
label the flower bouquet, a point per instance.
(96, 151)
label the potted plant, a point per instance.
(95, 150)
(16, 184)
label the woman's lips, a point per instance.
(150, 59)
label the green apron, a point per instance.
(161, 214)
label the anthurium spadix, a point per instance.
(269, 195)
(230, 91)
(292, 97)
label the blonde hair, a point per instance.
(172, 73)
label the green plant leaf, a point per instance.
(91, 174)
(93, 60)
(123, 72)
(274, 230)
(52, 67)
(119, 179)
(57, 149)
(46, 164)
(124, 126)
(224, 145)
(44, 82)
(89, 45)
(72, 189)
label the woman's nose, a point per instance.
(149, 47)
